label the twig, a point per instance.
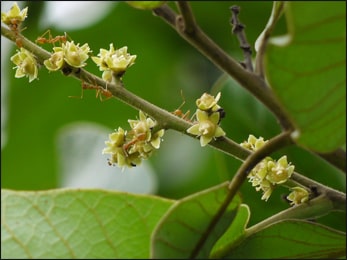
(188, 17)
(238, 29)
(253, 83)
(165, 119)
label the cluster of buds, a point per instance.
(113, 62)
(208, 116)
(269, 173)
(130, 148)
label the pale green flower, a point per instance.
(116, 140)
(258, 178)
(114, 62)
(142, 140)
(56, 61)
(118, 155)
(253, 143)
(14, 16)
(156, 138)
(75, 55)
(142, 126)
(280, 171)
(298, 195)
(26, 64)
(208, 102)
(129, 148)
(207, 127)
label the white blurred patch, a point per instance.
(74, 14)
(82, 165)
(181, 159)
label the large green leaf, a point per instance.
(186, 222)
(234, 235)
(78, 224)
(294, 239)
(306, 69)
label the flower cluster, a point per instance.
(269, 173)
(14, 17)
(69, 52)
(129, 148)
(113, 62)
(208, 116)
(26, 64)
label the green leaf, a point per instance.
(186, 222)
(293, 239)
(234, 234)
(306, 70)
(146, 5)
(78, 224)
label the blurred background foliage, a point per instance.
(52, 141)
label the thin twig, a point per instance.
(165, 119)
(254, 84)
(238, 30)
(188, 16)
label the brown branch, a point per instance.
(253, 83)
(238, 29)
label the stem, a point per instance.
(238, 29)
(165, 119)
(315, 208)
(272, 145)
(197, 38)
(253, 82)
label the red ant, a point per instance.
(140, 137)
(50, 39)
(14, 27)
(178, 112)
(99, 91)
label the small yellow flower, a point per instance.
(208, 102)
(298, 195)
(156, 138)
(14, 16)
(142, 126)
(207, 127)
(75, 55)
(56, 61)
(114, 62)
(129, 148)
(26, 64)
(253, 143)
(280, 171)
(258, 178)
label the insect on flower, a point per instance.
(59, 38)
(140, 137)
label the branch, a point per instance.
(254, 83)
(197, 38)
(165, 119)
(238, 29)
(272, 145)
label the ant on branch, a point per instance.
(59, 38)
(178, 112)
(15, 27)
(99, 91)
